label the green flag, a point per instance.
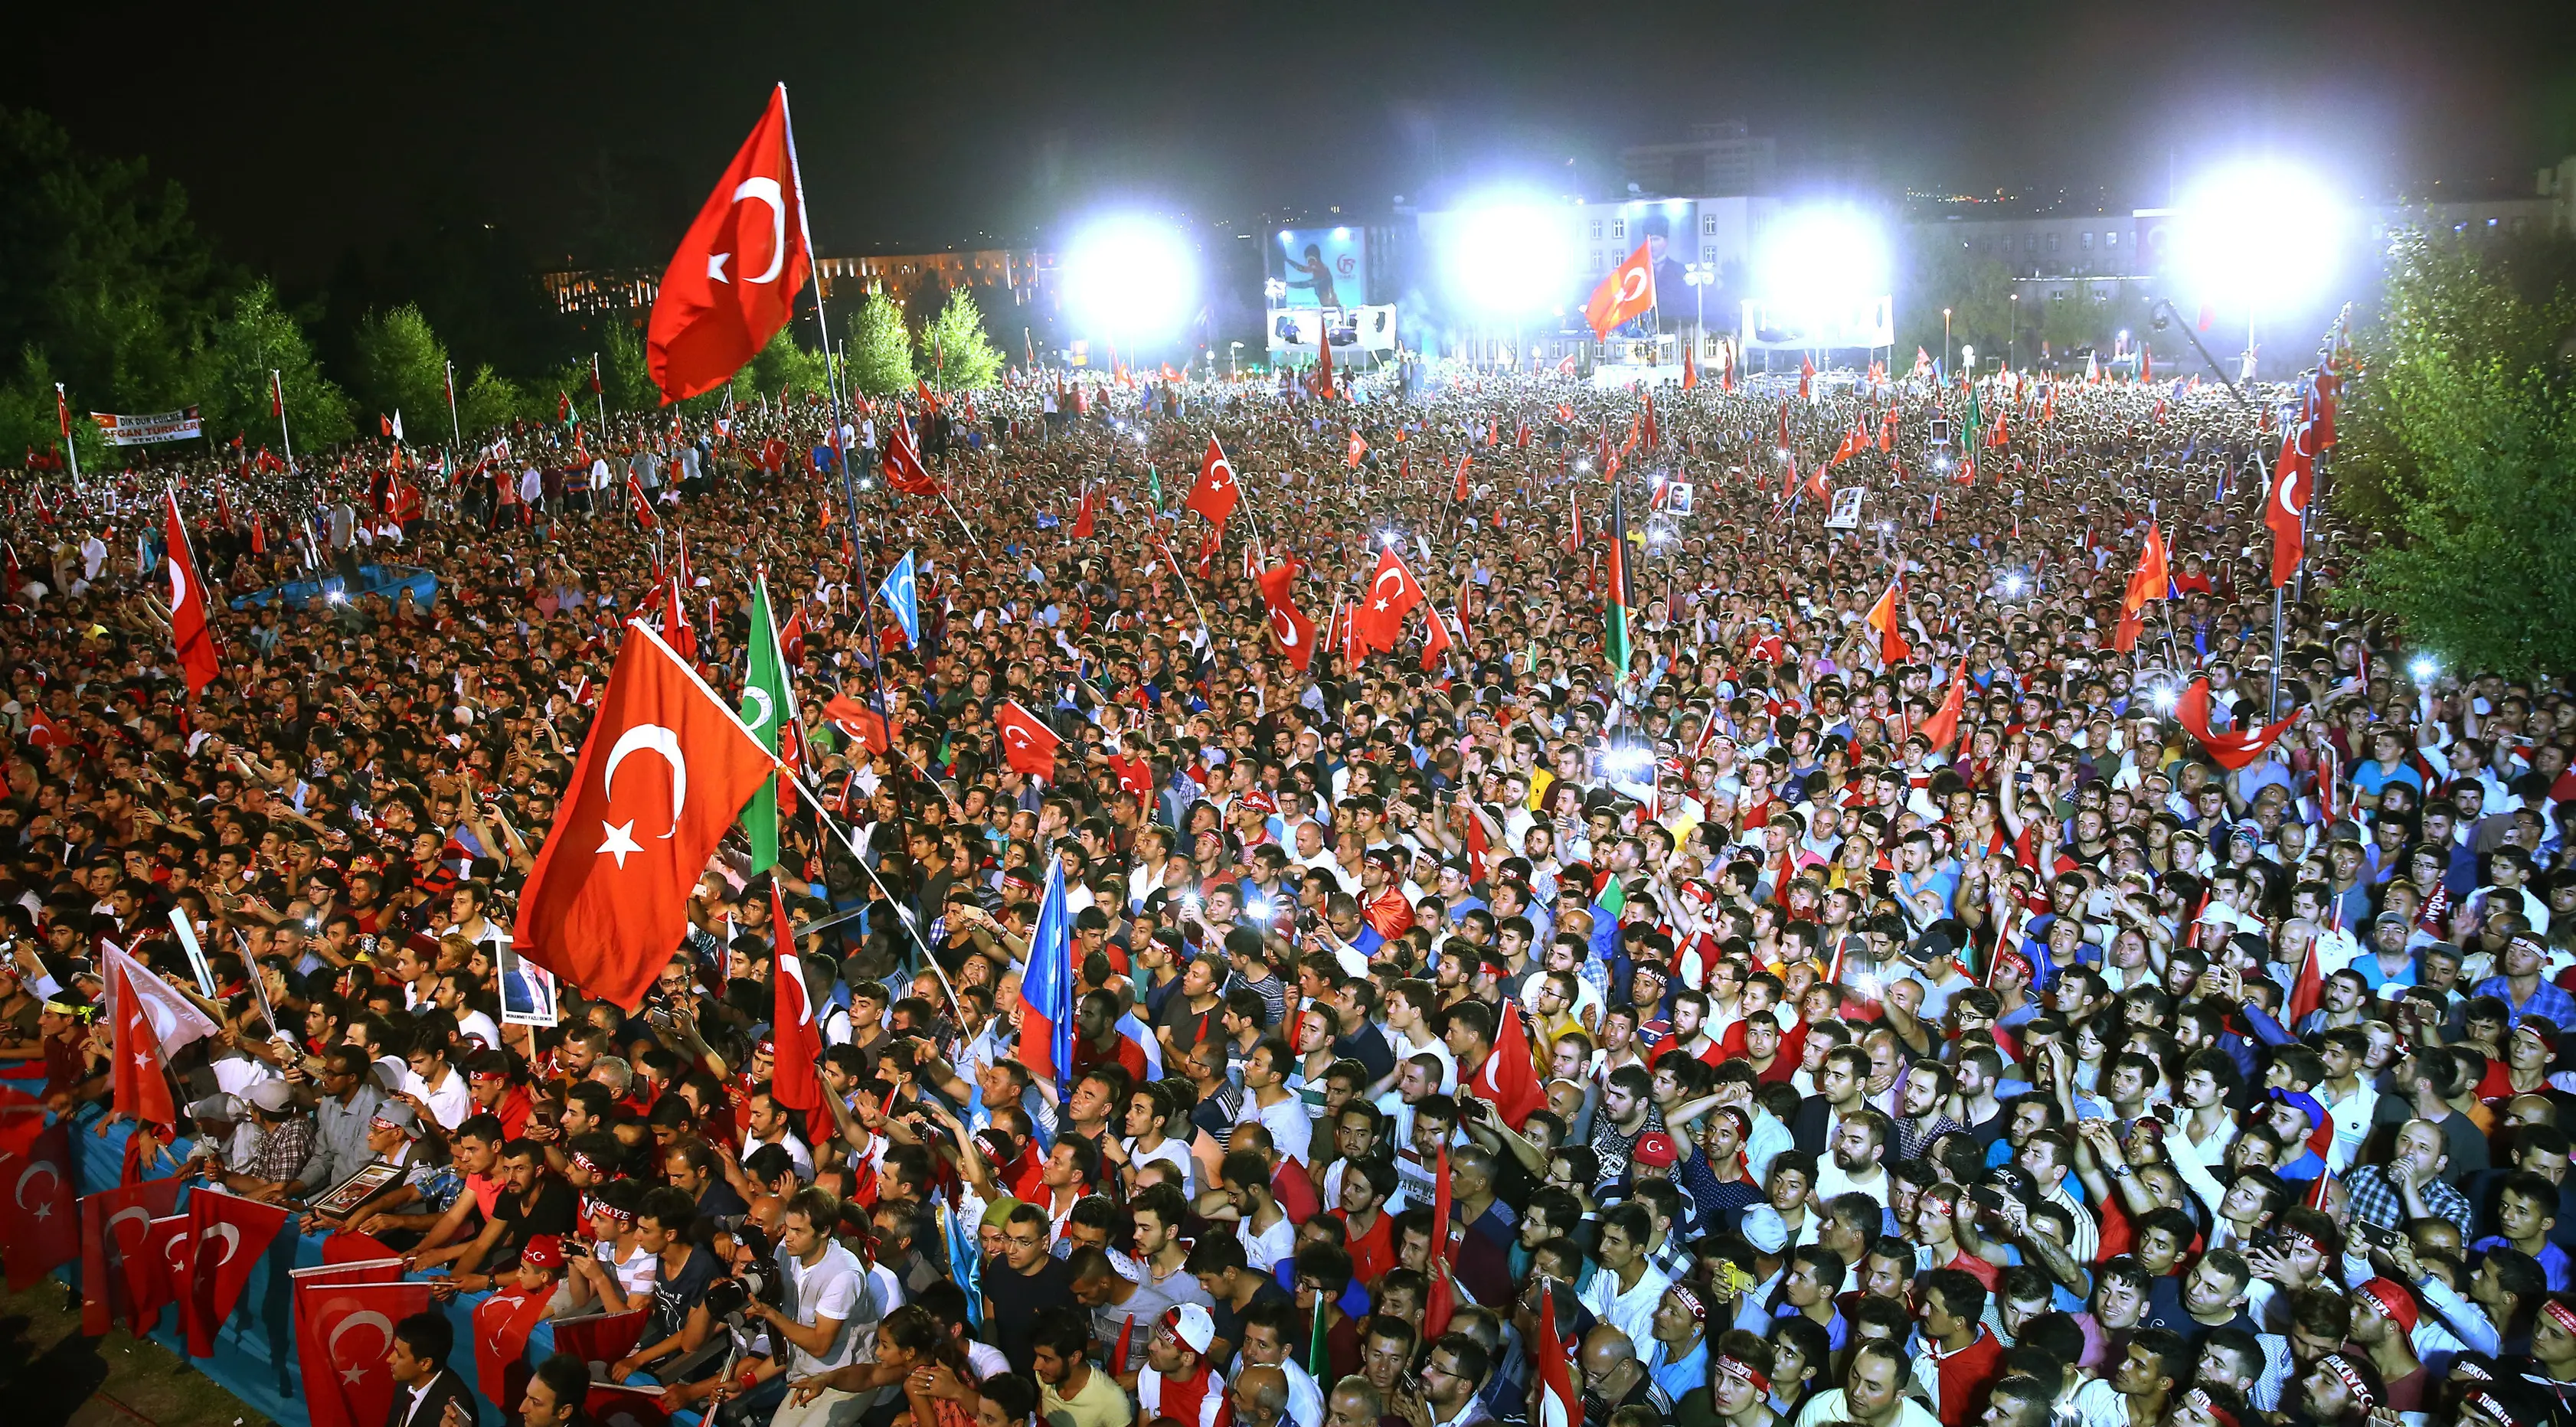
(764, 706)
(1154, 484)
(1975, 422)
(1318, 1359)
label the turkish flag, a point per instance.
(121, 1219)
(902, 463)
(1026, 740)
(793, 1083)
(343, 1331)
(600, 1341)
(1135, 776)
(1883, 617)
(1438, 642)
(1215, 492)
(1943, 726)
(1291, 633)
(1555, 1367)
(1359, 448)
(39, 1225)
(1690, 368)
(188, 629)
(1508, 1079)
(232, 1232)
(142, 1091)
(1459, 495)
(858, 722)
(2148, 582)
(1806, 374)
(610, 1405)
(2230, 751)
(159, 1259)
(502, 1323)
(1082, 517)
(1626, 292)
(2285, 506)
(1392, 594)
(733, 283)
(608, 899)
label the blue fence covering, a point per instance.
(386, 580)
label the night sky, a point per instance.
(303, 132)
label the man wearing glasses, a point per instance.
(347, 1103)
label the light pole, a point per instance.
(1699, 276)
(1234, 361)
(2012, 332)
(1945, 339)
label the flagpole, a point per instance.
(859, 855)
(600, 402)
(455, 429)
(822, 327)
(71, 448)
(277, 386)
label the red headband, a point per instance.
(2560, 1314)
(2200, 1398)
(1690, 1301)
(1741, 1370)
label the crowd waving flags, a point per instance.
(655, 860)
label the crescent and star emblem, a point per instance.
(46, 1167)
(133, 1212)
(231, 1237)
(1633, 285)
(1284, 627)
(764, 190)
(353, 1372)
(620, 837)
(178, 584)
(757, 697)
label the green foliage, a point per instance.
(782, 365)
(102, 268)
(960, 356)
(253, 337)
(880, 350)
(624, 373)
(489, 400)
(2458, 438)
(402, 366)
(29, 420)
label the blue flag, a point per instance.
(904, 598)
(1046, 989)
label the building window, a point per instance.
(1596, 228)
(2030, 243)
(2111, 239)
(1618, 227)
(2088, 242)
(2052, 242)
(1708, 225)
(1708, 254)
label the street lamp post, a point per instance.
(2012, 332)
(1699, 276)
(1945, 339)
(1234, 361)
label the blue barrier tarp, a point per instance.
(386, 580)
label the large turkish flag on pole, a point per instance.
(1628, 291)
(1027, 743)
(188, 631)
(608, 901)
(342, 1332)
(733, 282)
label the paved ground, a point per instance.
(51, 1376)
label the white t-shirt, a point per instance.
(831, 1288)
(449, 1104)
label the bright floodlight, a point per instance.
(1510, 258)
(1823, 260)
(2423, 669)
(2259, 233)
(1131, 276)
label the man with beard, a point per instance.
(2139, 1386)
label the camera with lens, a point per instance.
(728, 1297)
(1308, 919)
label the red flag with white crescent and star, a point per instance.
(1291, 632)
(858, 722)
(608, 898)
(141, 1090)
(119, 1219)
(502, 1324)
(1625, 292)
(231, 1234)
(793, 1081)
(343, 1332)
(1027, 742)
(39, 1221)
(1391, 595)
(732, 285)
(189, 632)
(1215, 492)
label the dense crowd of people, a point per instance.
(1906, 1001)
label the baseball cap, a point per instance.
(1763, 1229)
(1655, 1150)
(1191, 1324)
(270, 1095)
(395, 1115)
